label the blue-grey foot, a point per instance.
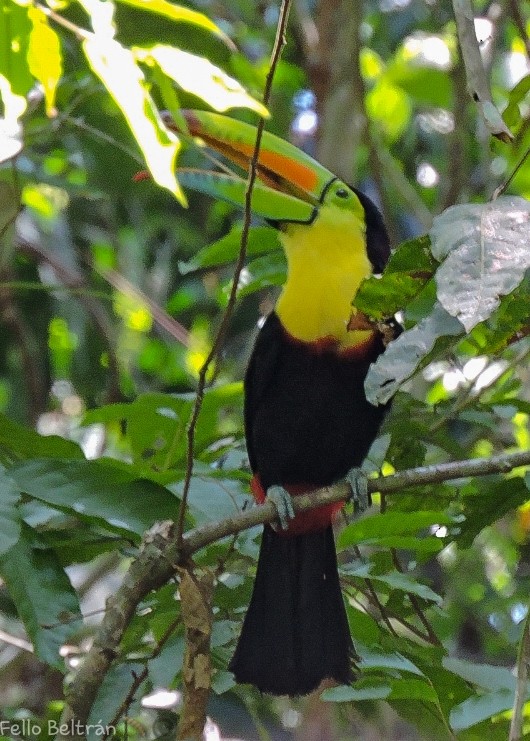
(283, 503)
(358, 481)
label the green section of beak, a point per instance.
(289, 184)
(268, 203)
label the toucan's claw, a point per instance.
(358, 481)
(283, 503)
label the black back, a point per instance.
(307, 420)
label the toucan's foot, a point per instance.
(283, 503)
(358, 481)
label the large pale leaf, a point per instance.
(403, 356)
(486, 253)
(200, 77)
(44, 56)
(45, 600)
(116, 67)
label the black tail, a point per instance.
(295, 632)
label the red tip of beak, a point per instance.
(141, 176)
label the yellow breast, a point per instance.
(327, 261)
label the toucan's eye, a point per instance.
(342, 193)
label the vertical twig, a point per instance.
(521, 688)
(279, 43)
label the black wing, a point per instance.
(260, 374)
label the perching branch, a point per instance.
(160, 554)
(394, 484)
(477, 81)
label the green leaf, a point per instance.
(388, 688)
(261, 240)
(117, 69)
(20, 442)
(222, 682)
(98, 491)
(412, 689)
(15, 28)
(425, 85)
(520, 91)
(389, 524)
(382, 297)
(156, 427)
(395, 580)
(45, 600)
(200, 77)
(44, 56)
(389, 106)
(410, 267)
(179, 14)
(512, 113)
(371, 659)
(485, 253)
(413, 257)
(360, 691)
(487, 676)
(164, 667)
(210, 499)
(16, 79)
(10, 521)
(480, 707)
(363, 626)
(268, 270)
(112, 692)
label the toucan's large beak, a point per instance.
(289, 187)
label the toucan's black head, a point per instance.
(377, 242)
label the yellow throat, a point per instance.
(326, 263)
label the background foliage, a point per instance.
(111, 293)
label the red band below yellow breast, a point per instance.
(304, 522)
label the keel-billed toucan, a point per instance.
(307, 420)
